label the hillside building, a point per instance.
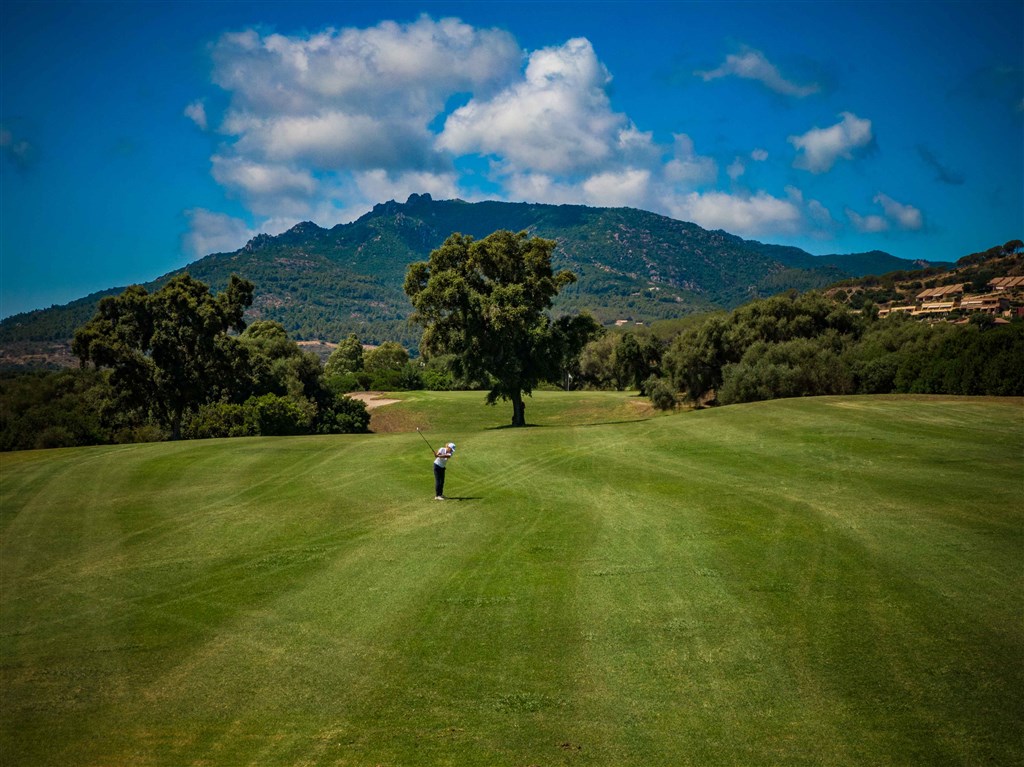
(946, 299)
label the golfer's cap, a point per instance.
(451, 446)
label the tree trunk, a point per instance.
(518, 409)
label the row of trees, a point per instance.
(807, 344)
(179, 362)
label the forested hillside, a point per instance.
(631, 264)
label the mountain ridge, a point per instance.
(323, 283)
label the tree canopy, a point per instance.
(166, 350)
(485, 303)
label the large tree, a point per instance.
(168, 351)
(485, 302)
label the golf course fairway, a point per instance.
(828, 581)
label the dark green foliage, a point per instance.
(274, 415)
(259, 382)
(347, 358)
(637, 360)
(64, 409)
(388, 356)
(796, 368)
(661, 392)
(485, 303)
(344, 416)
(791, 346)
(220, 419)
(167, 351)
(630, 264)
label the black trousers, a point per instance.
(438, 480)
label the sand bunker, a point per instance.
(372, 399)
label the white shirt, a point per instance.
(442, 456)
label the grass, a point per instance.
(832, 581)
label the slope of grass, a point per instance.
(804, 582)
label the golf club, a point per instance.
(425, 440)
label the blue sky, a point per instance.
(138, 137)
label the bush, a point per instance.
(220, 419)
(437, 380)
(275, 416)
(343, 383)
(662, 395)
(345, 416)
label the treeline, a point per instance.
(177, 363)
(180, 363)
(805, 345)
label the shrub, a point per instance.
(220, 419)
(345, 416)
(275, 416)
(660, 391)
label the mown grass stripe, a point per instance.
(832, 581)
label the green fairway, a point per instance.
(833, 581)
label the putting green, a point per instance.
(801, 582)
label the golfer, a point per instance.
(440, 460)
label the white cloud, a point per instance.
(322, 127)
(753, 65)
(196, 112)
(336, 140)
(687, 168)
(821, 147)
(378, 185)
(736, 168)
(896, 215)
(405, 70)
(558, 119)
(618, 189)
(256, 179)
(747, 215)
(310, 114)
(626, 188)
(905, 216)
(211, 232)
(867, 224)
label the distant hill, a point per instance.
(974, 272)
(632, 264)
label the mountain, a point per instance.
(631, 264)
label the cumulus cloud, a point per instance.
(196, 112)
(211, 232)
(822, 147)
(894, 215)
(740, 214)
(558, 119)
(736, 168)
(256, 179)
(751, 64)
(630, 187)
(687, 168)
(617, 189)
(399, 70)
(322, 126)
(380, 185)
(867, 224)
(354, 98)
(904, 216)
